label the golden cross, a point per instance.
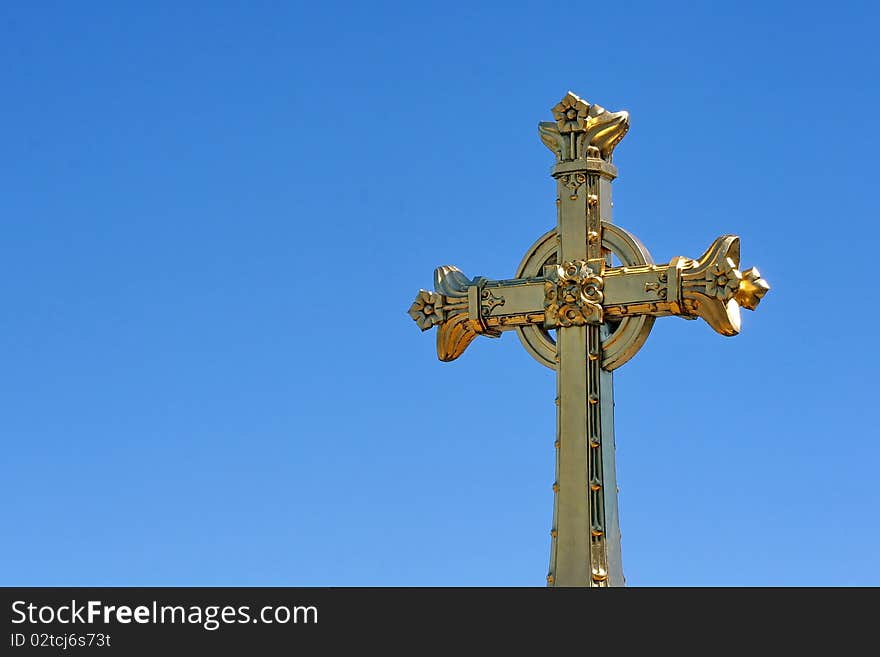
(602, 315)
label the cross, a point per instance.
(602, 315)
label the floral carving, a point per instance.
(571, 114)
(722, 280)
(583, 130)
(426, 310)
(572, 295)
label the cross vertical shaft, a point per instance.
(585, 550)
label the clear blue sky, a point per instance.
(215, 218)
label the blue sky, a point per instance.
(215, 218)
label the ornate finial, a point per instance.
(712, 287)
(752, 289)
(448, 309)
(583, 130)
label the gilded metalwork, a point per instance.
(427, 309)
(631, 332)
(572, 295)
(752, 289)
(455, 308)
(711, 287)
(583, 130)
(595, 471)
(601, 315)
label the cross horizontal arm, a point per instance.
(463, 308)
(710, 287)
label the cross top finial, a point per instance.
(583, 130)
